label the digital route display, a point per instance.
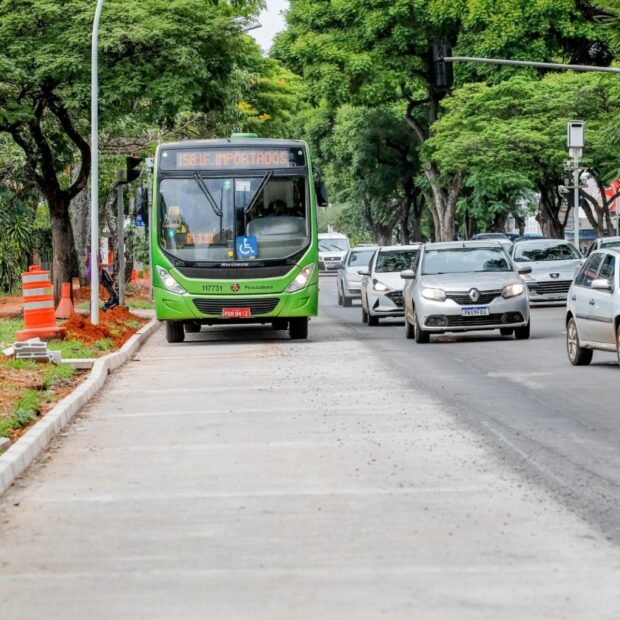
(232, 159)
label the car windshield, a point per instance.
(465, 260)
(394, 260)
(229, 219)
(610, 244)
(333, 245)
(360, 258)
(544, 251)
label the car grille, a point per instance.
(463, 299)
(396, 297)
(477, 321)
(256, 306)
(550, 288)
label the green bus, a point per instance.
(233, 234)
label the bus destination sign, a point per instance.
(232, 159)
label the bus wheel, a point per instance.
(298, 328)
(192, 327)
(279, 324)
(174, 331)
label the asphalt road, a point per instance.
(241, 475)
(557, 424)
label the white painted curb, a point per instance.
(28, 447)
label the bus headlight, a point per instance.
(301, 280)
(169, 282)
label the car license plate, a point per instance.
(236, 313)
(555, 297)
(475, 311)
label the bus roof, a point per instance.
(228, 142)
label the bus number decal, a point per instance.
(212, 288)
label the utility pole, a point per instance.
(575, 142)
(120, 232)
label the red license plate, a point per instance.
(236, 313)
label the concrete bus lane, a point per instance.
(242, 475)
(557, 424)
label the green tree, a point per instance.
(157, 58)
(510, 139)
(375, 52)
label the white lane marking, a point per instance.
(201, 495)
(527, 379)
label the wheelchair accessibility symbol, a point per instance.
(247, 247)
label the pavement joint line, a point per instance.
(27, 448)
(198, 495)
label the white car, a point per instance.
(593, 308)
(554, 263)
(603, 242)
(333, 247)
(349, 282)
(382, 286)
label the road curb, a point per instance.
(27, 448)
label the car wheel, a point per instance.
(522, 333)
(364, 315)
(347, 302)
(298, 328)
(174, 332)
(506, 331)
(577, 355)
(421, 337)
(339, 296)
(409, 329)
(373, 321)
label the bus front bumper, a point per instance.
(172, 307)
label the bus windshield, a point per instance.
(232, 218)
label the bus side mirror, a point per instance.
(320, 189)
(142, 205)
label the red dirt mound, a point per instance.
(117, 324)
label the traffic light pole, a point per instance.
(528, 63)
(94, 171)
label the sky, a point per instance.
(271, 22)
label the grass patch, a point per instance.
(55, 375)
(75, 349)
(8, 327)
(22, 364)
(26, 409)
(140, 304)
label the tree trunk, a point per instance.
(62, 246)
(444, 202)
(383, 234)
(79, 212)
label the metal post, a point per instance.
(120, 231)
(94, 171)
(576, 202)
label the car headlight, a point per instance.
(436, 294)
(527, 277)
(169, 282)
(379, 286)
(301, 280)
(512, 290)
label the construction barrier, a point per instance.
(65, 307)
(39, 318)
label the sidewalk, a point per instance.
(251, 478)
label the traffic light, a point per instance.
(133, 172)
(442, 70)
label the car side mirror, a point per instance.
(524, 269)
(339, 265)
(601, 284)
(363, 272)
(320, 189)
(408, 274)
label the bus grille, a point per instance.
(256, 306)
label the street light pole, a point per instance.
(575, 140)
(94, 171)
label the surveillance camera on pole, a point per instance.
(575, 140)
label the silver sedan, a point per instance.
(464, 286)
(349, 282)
(593, 308)
(554, 263)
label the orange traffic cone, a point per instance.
(65, 307)
(39, 319)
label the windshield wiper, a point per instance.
(261, 187)
(205, 190)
